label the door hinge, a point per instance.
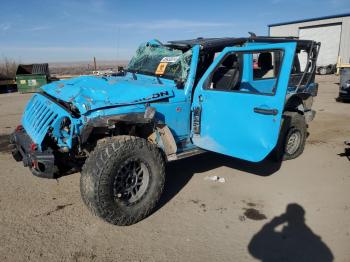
(197, 112)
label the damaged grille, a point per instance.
(38, 117)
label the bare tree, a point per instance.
(8, 68)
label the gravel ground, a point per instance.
(297, 211)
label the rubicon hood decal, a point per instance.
(156, 96)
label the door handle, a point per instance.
(264, 111)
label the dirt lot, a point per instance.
(198, 219)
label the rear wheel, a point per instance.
(292, 137)
(294, 143)
(123, 179)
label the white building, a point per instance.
(332, 31)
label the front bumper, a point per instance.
(41, 164)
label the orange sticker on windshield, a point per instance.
(161, 68)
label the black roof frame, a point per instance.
(218, 44)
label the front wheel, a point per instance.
(123, 179)
(292, 138)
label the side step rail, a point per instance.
(185, 154)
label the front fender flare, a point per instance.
(146, 117)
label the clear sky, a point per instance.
(72, 30)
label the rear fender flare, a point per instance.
(300, 102)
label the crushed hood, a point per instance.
(90, 93)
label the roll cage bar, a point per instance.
(218, 44)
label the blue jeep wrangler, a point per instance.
(247, 98)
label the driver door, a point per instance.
(242, 118)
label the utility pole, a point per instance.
(118, 42)
(95, 67)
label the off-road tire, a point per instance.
(293, 124)
(99, 179)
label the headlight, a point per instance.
(65, 125)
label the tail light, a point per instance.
(33, 146)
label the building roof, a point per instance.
(310, 19)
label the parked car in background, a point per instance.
(107, 72)
(344, 85)
(326, 70)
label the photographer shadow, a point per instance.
(295, 241)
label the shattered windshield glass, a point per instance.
(160, 60)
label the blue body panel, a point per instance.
(90, 93)
(229, 124)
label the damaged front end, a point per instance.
(62, 124)
(54, 140)
(47, 132)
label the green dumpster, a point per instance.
(30, 77)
